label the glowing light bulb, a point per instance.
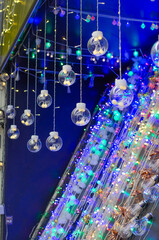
(13, 132)
(10, 112)
(34, 144)
(120, 95)
(139, 227)
(54, 142)
(151, 194)
(66, 76)
(97, 44)
(80, 115)
(44, 99)
(27, 117)
(155, 53)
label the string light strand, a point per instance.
(54, 105)
(119, 39)
(81, 50)
(28, 72)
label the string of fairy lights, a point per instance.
(111, 188)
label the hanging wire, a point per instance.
(81, 50)
(45, 50)
(28, 72)
(67, 34)
(10, 89)
(119, 39)
(97, 15)
(14, 101)
(54, 105)
(36, 66)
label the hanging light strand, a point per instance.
(54, 105)
(10, 89)
(28, 72)
(97, 15)
(81, 50)
(14, 101)
(36, 66)
(45, 50)
(67, 34)
(119, 39)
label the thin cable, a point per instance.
(67, 34)
(28, 72)
(36, 66)
(45, 51)
(97, 15)
(54, 105)
(10, 89)
(119, 39)
(14, 102)
(81, 50)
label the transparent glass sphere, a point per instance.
(54, 142)
(120, 95)
(151, 194)
(80, 115)
(66, 76)
(27, 118)
(10, 112)
(34, 144)
(97, 44)
(44, 99)
(13, 132)
(155, 53)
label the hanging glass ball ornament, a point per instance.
(10, 112)
(34, 144)
(155, 53)
(121, 96)
(80, 115)
(97, 44)
(27, 117)
(54, 142)
(67, 76)
(44, 99)
(13, 132)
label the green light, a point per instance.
(90, 173)
(143, 25)
(136, 53)
(87, 20)
(61, 63)
(48, 45)
(116, 113)
(33, 55)
(78, 53)
(131, 86)
(101, 146)
(130, 73)
(104, 142)
(83, 179)
(109, 55)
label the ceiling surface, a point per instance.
(32, 178)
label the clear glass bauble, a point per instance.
(34, 144)
(44, 100)
(151, 194)
(97, 44)
(54, 142)
(10, 112)
(80, 115)
(27, 117)
(67, 76)
(139, 227)
(155, 53)
(120, 95)
(13, 132)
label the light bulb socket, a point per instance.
(81, 106)
(44, 92)
(27, 111)
(10, 106)
(13, 127)
(34, 137)
(149, 216)
(54, 134)
(67, 68)
(142, 204)
(97, 34)
(121, 83)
